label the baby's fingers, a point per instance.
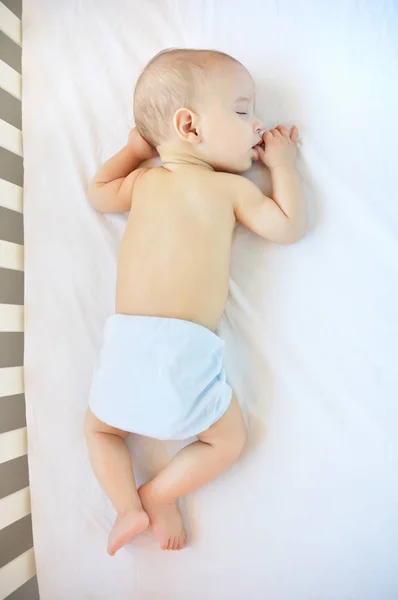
(261, 152)
(294, 134)
(282, 129)
(275, 132)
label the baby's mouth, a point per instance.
(260, 141)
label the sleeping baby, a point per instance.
(160, 370)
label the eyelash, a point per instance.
(240, 113)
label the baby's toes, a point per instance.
(165, 544)
(174, 544)
(170, 544)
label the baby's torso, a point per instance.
(175, 256)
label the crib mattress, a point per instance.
(311, 330)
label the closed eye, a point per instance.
(241, 113)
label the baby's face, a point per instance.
(229, 126)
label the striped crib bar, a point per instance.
(17, 568)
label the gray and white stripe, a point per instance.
(17, 569)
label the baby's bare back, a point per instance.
(175, 256)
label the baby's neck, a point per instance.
(174, 160)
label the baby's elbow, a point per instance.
(293, 232)
(95, 196)
(296, 235)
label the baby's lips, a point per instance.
(259, 144)
(256, 151)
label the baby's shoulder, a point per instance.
(219, 184)
(230, 184)
(227, 179)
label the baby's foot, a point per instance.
(125, 528)
(165, 520)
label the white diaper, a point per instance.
(162, 378)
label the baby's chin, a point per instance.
(236, 170)
(246, 165)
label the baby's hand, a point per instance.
(141, 148)
(280, 147)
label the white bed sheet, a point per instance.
(310, 512)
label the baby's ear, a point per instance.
(186, 124)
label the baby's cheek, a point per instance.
(230, 140)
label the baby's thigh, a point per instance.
(94, 425)
(229, 430)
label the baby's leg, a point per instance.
(195, 465)
(111, 463)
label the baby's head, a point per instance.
(199, 103)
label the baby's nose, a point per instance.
(258, 125)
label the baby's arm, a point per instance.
(112, 187)
(281, 218)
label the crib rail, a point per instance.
(17, 568)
